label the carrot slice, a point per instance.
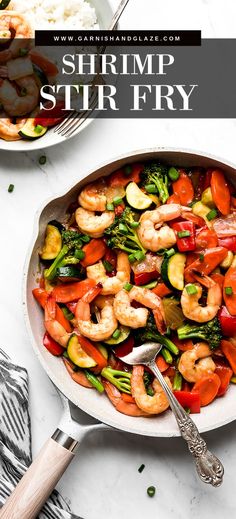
(208, 388)
(161, 363)
(230, 281)
(94, 251)
(184, 345)
(229, 350)
(183, 188)
(78, 376)
(220, 191)
(173, 199)
(121, 178)
(72, 291)
(161, 290)
(93, 352)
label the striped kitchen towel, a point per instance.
(15, 438)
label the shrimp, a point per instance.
(53, 327)
(192, 370)
(152, 233)
(126, 314)
(14, 22)
(155, 404)
(225, 227)
(114, 395)
(111, 285)
(8, 130)
(94, 196)
(137, 317)
(191, 307)
(152, 301)
(17, 105)
(107, 322)
(91, 224)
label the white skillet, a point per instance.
(55, 456)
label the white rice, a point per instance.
(57, 14)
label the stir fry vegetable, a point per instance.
(147, 256)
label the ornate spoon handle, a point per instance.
(208, 466)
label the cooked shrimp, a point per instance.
(137, 317)
(91, 224)
(114, 395)
(53, 327)
(95, 196)
(126, 314)
(111, 285)
(152, 301)
(14, 22)
(155, 404)
(15, 104)
(192, 370)
(96, 331)
(152, 233)
(8, 130)
(191, 307)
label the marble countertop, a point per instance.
(103, 480)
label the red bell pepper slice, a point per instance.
(227, 322)
(51, 117)
(229, 243)
(190, 400)
(230, 281)
(72, 291)
(143, 278)
(52, 346)
(126, 347)
(224, 373)
(185, 243)
(41, 296)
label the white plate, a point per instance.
(104, 15)
(220, 412)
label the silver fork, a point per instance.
(73, 121)
(208, 466)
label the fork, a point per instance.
(208, 466)
(72, 122)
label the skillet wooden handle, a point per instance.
(38, 482)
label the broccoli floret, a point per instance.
(210, 332)
(71, 241)
(120, 379)
(150, 333)
(157, 176)
(122, 235)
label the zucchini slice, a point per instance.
(30, 132)
(124, 334)
(77, 355)
(52, 243)
(136, 198)
(172, 271)
(57, 224)
(70, 273)
(4, 4)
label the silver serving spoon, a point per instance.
(209, 468)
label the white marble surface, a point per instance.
(103, 481)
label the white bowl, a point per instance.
(104, 16)
(220, 412)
